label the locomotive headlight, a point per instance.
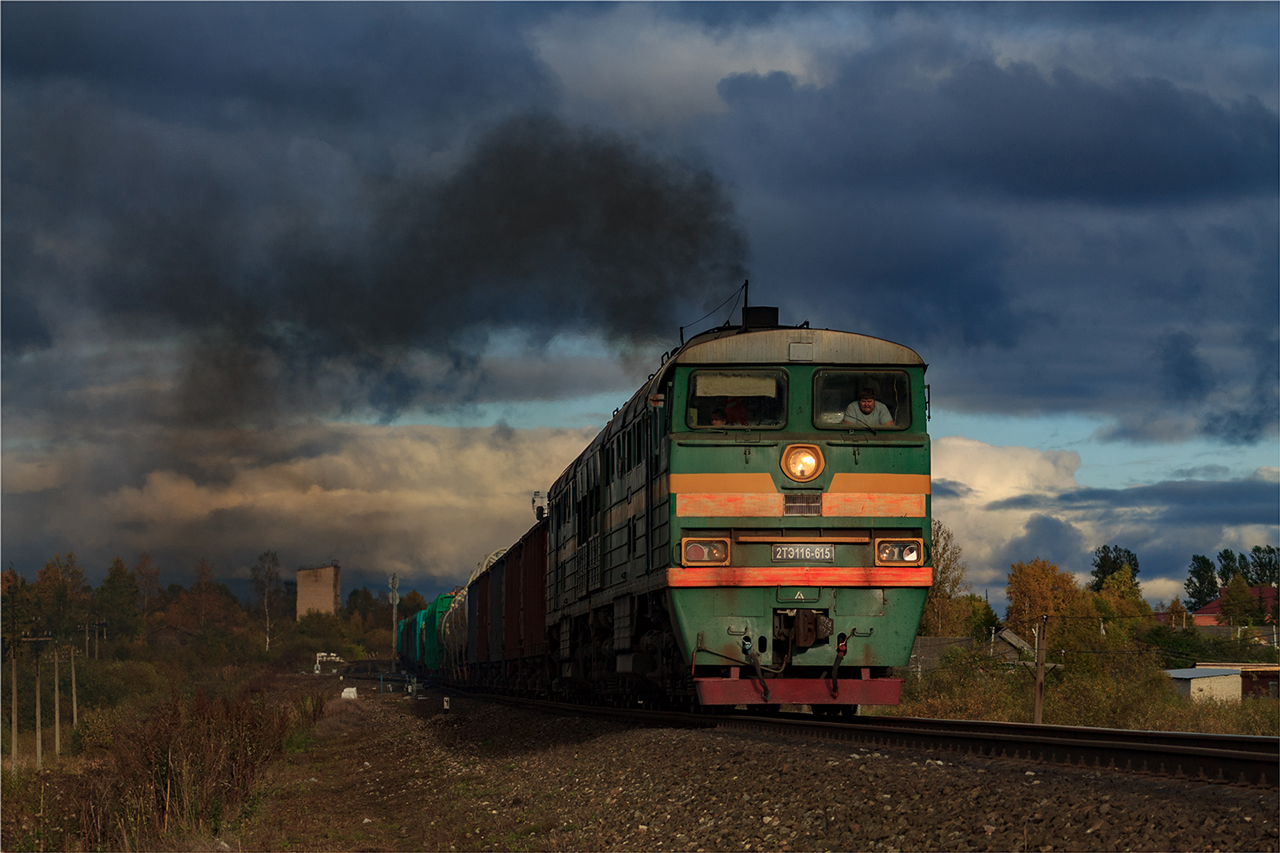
(899, 552)
(704, 552)
(802, 462)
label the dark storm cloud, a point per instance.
(1050, 538)
(950, 489)
(1183, 372)
(256, 214)
(540, 226)
(1010, 131)
(874, 262)
(282, 64)
(1179, 502)
(20, 325)
(1053, 240)
(1248, 422)
(305, 227)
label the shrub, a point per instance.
(968, 685)
(184, 767)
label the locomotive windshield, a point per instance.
(861, 399)
(724, 399)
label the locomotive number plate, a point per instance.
(807, 553)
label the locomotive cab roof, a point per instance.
(757, 344)
(780, 345)
(784, 344)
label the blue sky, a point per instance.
(350, 280)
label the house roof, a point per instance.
(1015, 641)
(1200, 673)
(1265, 594)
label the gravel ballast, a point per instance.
(486, 776)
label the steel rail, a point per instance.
(1233, 759)
(1221, 759)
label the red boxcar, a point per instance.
(525, 610)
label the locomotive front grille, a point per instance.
(801, 504)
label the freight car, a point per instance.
(751, 528)
(418, 638)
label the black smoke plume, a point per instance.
(541, 227)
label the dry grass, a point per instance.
(1130, 693)
(182, 770)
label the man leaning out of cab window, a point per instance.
(867, 411)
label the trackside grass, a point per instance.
(1130, 692)
(181, 770)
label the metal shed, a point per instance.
(1256, 679)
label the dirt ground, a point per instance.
(393, 773)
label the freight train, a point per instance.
(751, 528)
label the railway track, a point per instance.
(1230, 759)
(1221, 759)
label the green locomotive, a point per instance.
(752, 527)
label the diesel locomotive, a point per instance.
(751, 528)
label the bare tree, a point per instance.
(266, 580)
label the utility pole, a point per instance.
(1042, 647)
(13, 741)
(57, 704)
(39, 739)
(75, 706)
(394, 583)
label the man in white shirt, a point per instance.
(867, 411)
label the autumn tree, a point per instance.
(1177, 613)
(62, 596)
(1036, 589)
(207, 606)
(1121, 604)
(148, 577)
(978, 616)
(943, 614)
(360, 601)
(203, 596)
(412, 603)
(1239, 606)
(117, 601)
(1108, 560)
(14, 603)
(1122, 592)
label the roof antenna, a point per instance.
(746, 299)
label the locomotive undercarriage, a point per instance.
(623, 653)
(627, 653)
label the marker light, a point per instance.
(899, 552)
(704, 552)
(802, 462)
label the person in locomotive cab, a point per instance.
(867, 411)
(719, 418)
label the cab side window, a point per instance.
(737, 399)
(861, 399)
